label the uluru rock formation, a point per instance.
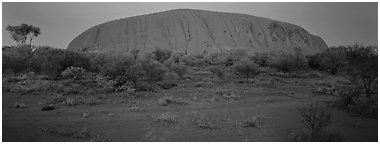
(196, 31)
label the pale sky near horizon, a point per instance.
(336, 23)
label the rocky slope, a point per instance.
(196, 31)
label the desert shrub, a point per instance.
(180, 69)
(123, 69)
(217, 70)
(352, 100)
(73, 72)
(161, 55)
(217, 58)
(166, 84)
(247, 68)
(362, 63)
(205, 123)
(14, 58)
(167, 99)
(153, 70)
(97, 61)
(299, 58)
(332, 60)
(254, 121)
(238, 54)
(70, 102)
(81, 134)
(314, 61)
(288, 62)
(176, 57)
(204, 84)
(19, 105)
(75, 59)
(194, 60)
(316, 118)
(347, 95)
(167, 119)
(169, 64)
(227, 94)
(262, 59)
(327, 136)
(284, 62)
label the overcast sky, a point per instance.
(336, 23)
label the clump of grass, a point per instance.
(48, 107)
(167, 119)
(227, 94)
(254, 121)
(83, 134)
(167, 99)
(135, 108)
(205, 123)
(70, 102)
(203, 84)
(19, 105)
(86, 115)
(89, 101)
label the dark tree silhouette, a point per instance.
(22, 33)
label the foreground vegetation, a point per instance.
(75, 78)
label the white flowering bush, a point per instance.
(117, 85)
(73, 72)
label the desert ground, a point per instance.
(200, 107)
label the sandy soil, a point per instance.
(113, 119)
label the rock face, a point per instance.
(196, 31)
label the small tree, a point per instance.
(22, 32)
(284, 62)
(154, 71)
(299, 58)
(247, 68)
(161, 55)
(314, 61)
(180, 69)
(315, 117)
(363, 67)
(332, 60)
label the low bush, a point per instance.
(204, 84)
(327, 136)
(122, 69)
(218, 70)
(205, 123)
(167, 85)
(316, 118)
(180, 69)
(167, 119)
(19, 105)
(73, 72)
(347, 95)
(363, 68)
(166, 100)
(227, 94)
(247, 68)
(153, 70)
(82, 134)
(161, 55)
(254, 121)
